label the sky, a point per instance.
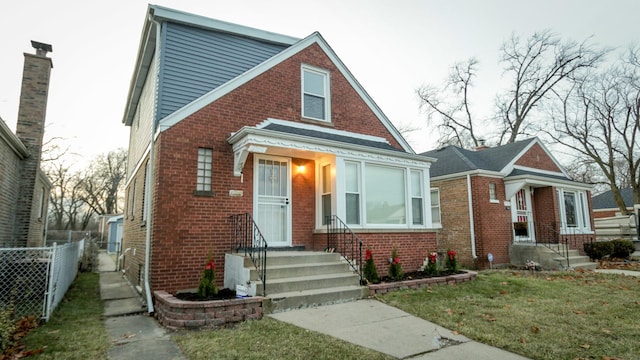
(391, 47)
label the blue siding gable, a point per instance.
(196, 60)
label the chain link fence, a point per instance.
(33, 281)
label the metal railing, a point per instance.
(248, 238)
(566, 237)
(344, 241)
(33, 281)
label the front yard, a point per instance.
(560, 315)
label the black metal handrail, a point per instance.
(561, 234)
(248, 238)
(344, 241)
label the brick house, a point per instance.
(24, 188)
(493, 200)
(248, 121)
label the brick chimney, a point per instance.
(30, 130)
(481, 145)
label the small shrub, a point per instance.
(370, 271)
(395, 268)
(599, 249)
(451, 262)
(7, 328)
(432, 264)
(207, 285)
(622, 248)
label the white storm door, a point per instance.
(272, 207)
(523, 217)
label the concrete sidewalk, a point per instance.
(383, 328)
(133, 333)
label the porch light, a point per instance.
(301, 169)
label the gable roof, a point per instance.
(12, 141)
(289, 47)
(606, 200)
(453, 159)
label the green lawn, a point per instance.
(76, 329)
(563, 315)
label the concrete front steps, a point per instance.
(550, 257)
(299, 279)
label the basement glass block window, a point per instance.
(205, 160)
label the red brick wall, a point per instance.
(188, 227)
(454, 213)
(413, 248)
(492, 222)
(537, 158)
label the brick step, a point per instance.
(276, 258)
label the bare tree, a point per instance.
(448, 108)
(598, 118)
(103, 182)
(65, 197)
(535, 67)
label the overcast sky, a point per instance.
(391, 47)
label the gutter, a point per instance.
(472, 229)
(148, 183)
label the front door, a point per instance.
(522, 216)
(272, 206)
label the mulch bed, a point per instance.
(223, 294)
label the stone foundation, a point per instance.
(383, 288)
(174, 313)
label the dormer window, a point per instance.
(315, 94)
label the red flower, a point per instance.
(452, 254)
(396, 260)
(211, 265)
(433, 257)
(367, 255)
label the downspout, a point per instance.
(472, 229)
(148, 183)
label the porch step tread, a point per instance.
(311, 277)
(314, 291)
(284, 301)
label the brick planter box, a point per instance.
(383, 288)
(180, 314)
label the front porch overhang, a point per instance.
(256, 140)
(514, 183)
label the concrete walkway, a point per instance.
(383, 328)
(133, 333)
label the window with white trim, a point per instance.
(326, 192)
(352, 193)
(574, 211)
(417, 201)
(205, 160)
(384, 195)
(435, 207)
(145, 198)
(315, 94)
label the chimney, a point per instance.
(481, 145)
(30, 130)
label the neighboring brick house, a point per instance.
(510, 195)
(604, 205)
(24, 189)
(247, 121)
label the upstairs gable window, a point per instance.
(315, 94)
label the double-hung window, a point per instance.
(326, 193)
(417, 201)
(315, 94)
(435, 207)
(352, 195)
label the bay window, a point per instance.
(385, 196)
